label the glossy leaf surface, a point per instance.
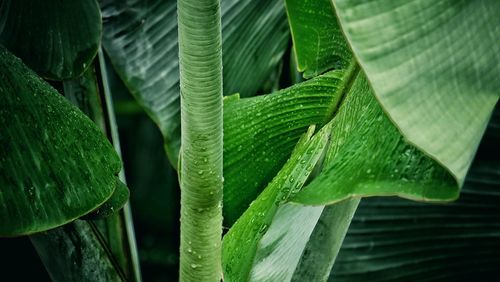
(369, 157)
(246, 234)
(55, 164)
(434, 68)
(261, 132)
(57, 39)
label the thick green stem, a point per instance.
(200, 62)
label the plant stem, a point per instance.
(126, 213)
(200, 62)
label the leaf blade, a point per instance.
(57, 39)
(55, 164)
(444, 61)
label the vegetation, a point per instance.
(278, 119)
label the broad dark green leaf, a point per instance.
(55, 164)
(318, 42)
(76, 252)
(57, 39)
(260, 133)
(434, 67)
(395, 240)
(246, 234)
(140, 37)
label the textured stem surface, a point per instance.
(200, 62)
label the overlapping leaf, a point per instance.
(141, 39)
(57, 39)
(246, 234)
(55, 164)
(393, 240)
(369, 157)
(260, 133)
(434, 68)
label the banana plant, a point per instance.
(279, 116)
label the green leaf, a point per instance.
(81, 254)
(280, 249)
(246, 234)
(324, 243)
(434, 68)
(392, 239)
(55, 164)
(395, 240)
(140, 37)
(113, 204)
(369, 157)
(57, 39)
(318, 42)
(302, 242)
(261, 132)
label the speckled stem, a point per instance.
(200, 62)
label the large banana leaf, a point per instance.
(140, 37)
(396, 240)
(434, 67)
(55, 164)
(359, 162)
(57, 39)
(370, 158)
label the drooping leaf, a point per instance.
(395, 240)
(141, 39)
(81, 254)
(57, 39)
(318, 42)
(370, 158)
(434, 68)
(260, 133)
(246, 234)
(55, 164)
(109, 219)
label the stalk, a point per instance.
(200, 63)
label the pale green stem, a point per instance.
(200, 62)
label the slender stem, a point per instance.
(127, 211)
(200, 62)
